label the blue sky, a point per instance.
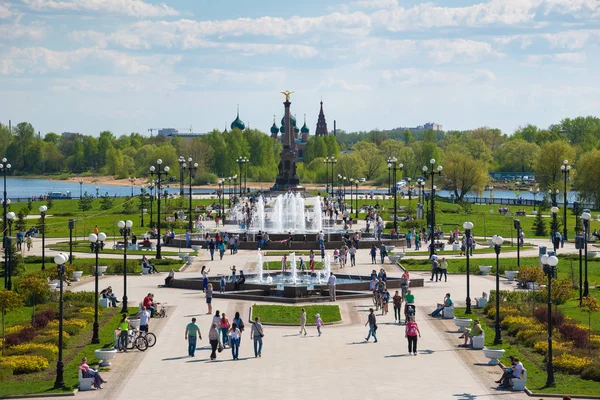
(129, 65)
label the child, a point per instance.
(209, 295)
(319, 323)
(386, 300)
(222, 284)
(301, 264)
(336, 255)
(232, 273)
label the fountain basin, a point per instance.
(52, 286)
(77, 275)
(196, 248)
(494, 355)
(102, 269)
(190, 259)
(462, 323)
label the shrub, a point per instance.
(576, 334)
(562, 289)
(13, 329)
(515, 323)
(25, 335)
(542, 347)
(79, 297)
(6, 371)
(531, 273)
(25, 364)
(525, 335)
(591, 373)
(46, 350)
(504, 312)
(571, 364)
(41, 320)
(541, 313)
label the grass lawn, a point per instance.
(43, 382)
(290, 315)
(276, 265)
(572, 310)
(81, 246)
(479, 250)
(533, 362)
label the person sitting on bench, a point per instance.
(440, 307)
(475, 331)
(169, 279)
(146, 264)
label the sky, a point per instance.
(132, 65)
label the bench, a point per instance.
(480, 302)
(478, 341)
(448, 312)
(84, 383)
(105, 302)
(519, 383)
(146, 270)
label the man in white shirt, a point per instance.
(144, 316)
(331, 284)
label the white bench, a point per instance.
(146, 271)
(448, 312)
(84, 383)
(519, 383)
(480, 302)
(105, 302)
(478, 341)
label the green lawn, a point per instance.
(478, 250)
(290, 315)
(80, 346)
(82, 246)
(533, 362)
(572, 310)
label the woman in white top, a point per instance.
(217, 320)
(234, 339)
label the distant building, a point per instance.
(168, 132)
(321, 123)
(426, 127)
(68, 134)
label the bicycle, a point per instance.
(134, 341)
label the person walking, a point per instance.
(303, 322)
(372, 322)
(311, 259)
(191, 331)
(204, 272)
(257, 335)
(209, 296)
(435, 267)
(444, 269)
(331, 284)
(211, 249)
(411, 332)
(224, 329)
(221, 247)
(239, 322)
(318, 323)
(397, 300)
(217, 321)
(352, 252)
(382, 252)
(373, 253)
(234, 335)
(213, 338)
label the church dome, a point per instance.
(296, 129)
(292, 120)
(274, 129)
(304, 127)
(238, 123)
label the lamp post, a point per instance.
(229, 178)
(409, 189)
(4, 167)
(434, 171)
(549, 264)
(132, 181)
(534, 192)
(60, 260)
(80, 188)
(151, 189)
(491, 189)
(142, 194)
(181, 162)
(159, 175)
(326, 162)
(125, 230)
(394, 167)
(332, 161)
(497, 240)
(356, 199)
(96, 243)
(97, 191)
(192, 168)
(220, 195)
(554, 228)
(71, 227)
(10, 216)
(565, 168)
(8, 252)
(43, 210)
(241, 161)
(517, 225)
(586, 226)
(579, 245)
(467, 227)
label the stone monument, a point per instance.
(287, 178)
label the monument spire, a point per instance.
(321, 123)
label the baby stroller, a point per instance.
(410, 311)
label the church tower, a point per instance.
(321, 123)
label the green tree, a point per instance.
(85, 203)
(517, 155)
(373, 158)
(106, 202)
(35, 289)
(9, 301)
(128, 205)
(6, 138)
(587, 179)
(350, 165)
(548, 161)
(539, 225)
(465, 174)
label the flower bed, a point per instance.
(24, 364)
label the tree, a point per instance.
(128, 206)
(465, 174)
(590, 305)
(517, 155)
(106, 202)
(9, 301)
(6, 137)
(539, 225)
(85, 202)
(372, 157)
(349, 165)
(33, 288)
(548, 161)
(587, 180)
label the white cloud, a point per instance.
(133, 8)
(570, 39)
(252, 49)
(116, 84)
(376, 4)
(18, 31)
(570, 58)
(5, 11)
(42, 60)
(444, 51)
(421, 77)
(341, 84)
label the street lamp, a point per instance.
(356, 199)
(534, 192)
(151, 189)
(96, 243)
(241, 161)
(549, 264)
(159, 175)
(341, 182)
(10, 216)
(181, 162)
(142, 195)
(409, 190)
(4, 167)
(326, 162)
(60, 260)
(351, 203)
(132, 181)
(97, 191)
(517, 225)
(80, 188)
(555, 243)
(467, 227)
(565, 169)
(331, 161)
(394, 167)
(586, 226)
(432, 173)
(498, 240)
(491, 189)
(43, 210)
(192, 168)
(125, 230)
(220, 195)
(8, 252)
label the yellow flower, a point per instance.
(571, 364)
(25, 364)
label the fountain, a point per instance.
(294, 268)
(259, 267)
